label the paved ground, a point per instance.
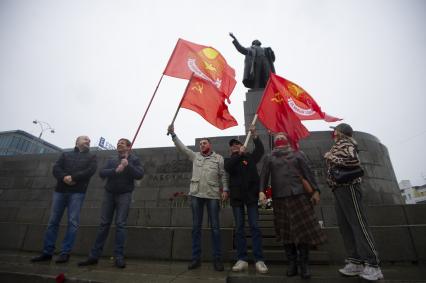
(15, 267)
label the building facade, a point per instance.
(21, 142)
(412, 194)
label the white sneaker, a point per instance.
(352, 269)
(261, 267)
(240, 265)
(371, 273)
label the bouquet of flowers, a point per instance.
(179, 199)
(268, 203)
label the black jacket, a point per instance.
(122, 182)
(285, 167)
(80, 165)
(243, 176)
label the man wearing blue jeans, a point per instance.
(244, 191)
(73, 171)
(207, 174)
(121, 171)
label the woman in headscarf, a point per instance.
(294, 216)
(350, 212)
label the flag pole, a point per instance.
(181, 100)
(249, 133)
(146, 111)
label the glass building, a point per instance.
(20, 142)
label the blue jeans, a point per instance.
(73, 202)
(197, 205)
(120, 203)
(256, 235)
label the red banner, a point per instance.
(204, 98)
(276, 115)
(205, 62)
(300, 101)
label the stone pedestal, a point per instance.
(251, 103)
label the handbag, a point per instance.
(343, 175)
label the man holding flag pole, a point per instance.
(211, 81)
(244, 195)
(207, 175)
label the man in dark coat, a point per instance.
(258, 63)
(244, 192)
(73, 171)
(120, 171)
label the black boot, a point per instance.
(218, 265)
(195, 263)
(304, 261)
(291, 253)
(42, 257)
(88, 261)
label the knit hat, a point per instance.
(344, 129)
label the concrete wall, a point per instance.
(165, 233)
(159, 225)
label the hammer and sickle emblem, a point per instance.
(277, 98)
(198, 87)
(209, 67)
(295, 90)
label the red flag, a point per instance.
(276, 115)
(205, 99)
(300, 101)
(205, 62)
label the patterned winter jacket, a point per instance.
(344, 153)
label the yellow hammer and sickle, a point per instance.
(295, 90)
(209, 66)
(277, 98)
(198, 87)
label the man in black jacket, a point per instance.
(244, 192)
(121, 171)
(73, 171)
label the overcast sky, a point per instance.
(90, 67)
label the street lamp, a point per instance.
(44, 126)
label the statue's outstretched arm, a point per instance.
(238, 46)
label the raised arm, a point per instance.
(259, 150)
(179, 145)
(238, 46)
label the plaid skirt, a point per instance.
(295, 221)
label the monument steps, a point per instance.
(278, 256)
(16, 267)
